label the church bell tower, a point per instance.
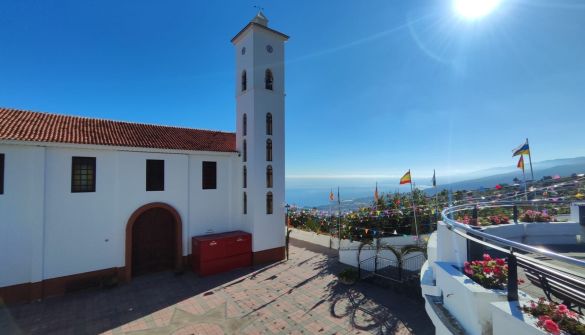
(259, 53)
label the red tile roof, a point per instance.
(21, 125)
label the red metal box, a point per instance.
(217, 253)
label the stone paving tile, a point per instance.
(299, 296)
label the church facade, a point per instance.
(86, 201)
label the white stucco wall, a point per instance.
(21, 214)
(46, 231)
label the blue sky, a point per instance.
(373, 87)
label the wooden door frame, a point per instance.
(178, 236)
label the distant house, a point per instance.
(84, 199)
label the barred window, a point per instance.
(83, 174)
(209, 175)
(155, 175)
(1, 173)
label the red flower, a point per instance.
(551, 327)
(562, 309)
(500, 261)
(487, 257)
(487, 270)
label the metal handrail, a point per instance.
(453, 224)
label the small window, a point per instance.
(1, 173)
(269, 203)
(245, 204)
(268, 80)
(245, 151)
(269, 150)
(155, 175)
(244, 81)
(245, 124)
(245, 176)
(209, 175)
(82, 174)
(268, 124)
(269, 176)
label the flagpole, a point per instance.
(338, 220)
(436, 198)
(330, 213)
(413, 207)
(525, 191)
(530, 160)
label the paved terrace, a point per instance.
(299, 296)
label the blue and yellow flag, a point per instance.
(522, 150)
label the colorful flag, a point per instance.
(331, 196)
(521, 163)
(376, 194)
(523, 149)
(405, 179)
(434, 179)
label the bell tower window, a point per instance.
(268, 79)
(244, 81)
(245, 177)
(269, 124)
(245, 203)
(269, 203)
(245, 151)
(245, 124)
(269, 176)
(269, 150)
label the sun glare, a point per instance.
(474, 9)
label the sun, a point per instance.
(474, 9)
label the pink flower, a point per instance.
(487, 257)
(562, 309)
(500, 261)
(572, 315)
(551, 327)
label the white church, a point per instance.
(83, 199)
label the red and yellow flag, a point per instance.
(331, 196)
(405, 179)
(521, 163)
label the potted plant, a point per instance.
(491, 273)
(554, 318)
(536, 216)
(348, 276)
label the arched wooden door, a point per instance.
(154, 241)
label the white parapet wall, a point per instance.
(348, 251)
(472, 308)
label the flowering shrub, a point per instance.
(490, 272)
(498, 219)
(536, 216)
(553, 317)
